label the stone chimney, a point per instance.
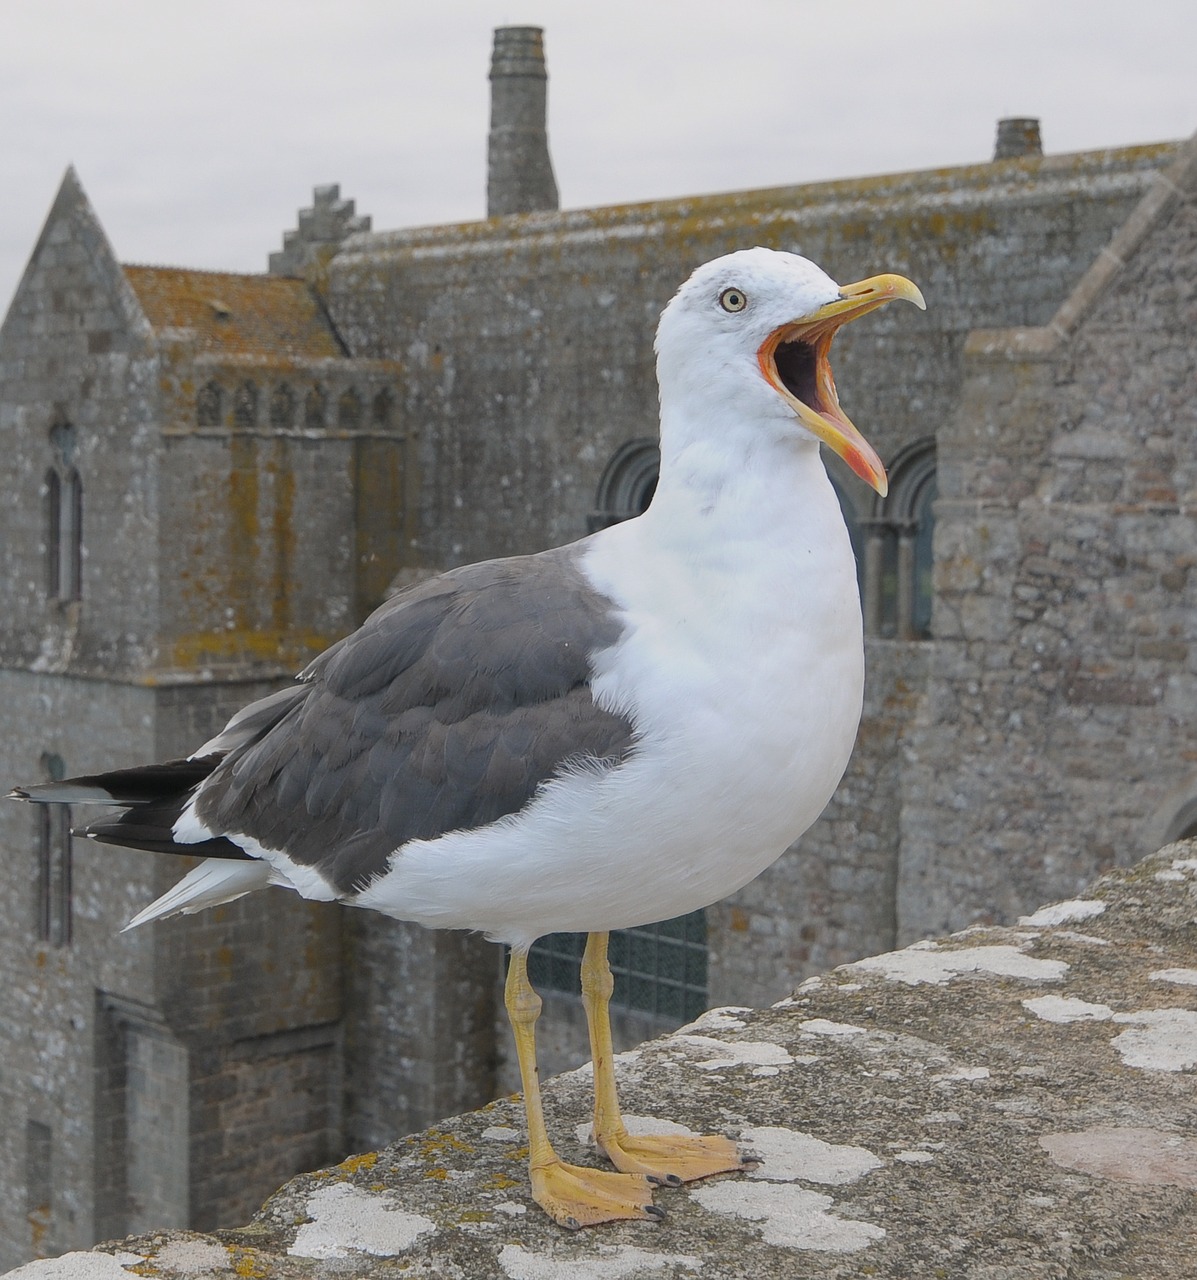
(519, 177)
(1017, 136)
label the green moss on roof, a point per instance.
(237, 314)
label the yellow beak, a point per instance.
(794, 360)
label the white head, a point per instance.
(745, 341)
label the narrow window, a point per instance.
(53, 525)
(54, 869)
(349, 411)
(209, 405)
(64, 534)
(382, 409)
(315, 408)
(245, 406)
(898, 551)
(70, 542)
(282, 406)
(923, 565)
(39, 1185)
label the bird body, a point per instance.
(734, 671)
(594, 737)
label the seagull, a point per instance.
(598, 736)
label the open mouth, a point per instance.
(798, 365)
(794, 360)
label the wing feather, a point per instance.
(446, 711)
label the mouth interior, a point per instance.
(797, 365)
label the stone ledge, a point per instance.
(1004, 1104)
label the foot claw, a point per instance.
(654, 1211)
(576, 1197)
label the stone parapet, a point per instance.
(328, 221)
(1000, 1103)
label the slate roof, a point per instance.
(237, 314)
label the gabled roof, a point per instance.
(1166, 190)
(232, 314)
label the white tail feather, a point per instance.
(214, 881)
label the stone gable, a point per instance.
(1058, 727)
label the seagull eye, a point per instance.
(733, 300)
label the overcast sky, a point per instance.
(199, 128)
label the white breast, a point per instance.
(742, 666)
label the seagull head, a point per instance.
(746, 341)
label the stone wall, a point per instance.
(1058, 732)
(1005, 1102)
(526, 341)
(283, 523)
(419, 1027)
(131, 1059)
(48, 996)
(526, 349)
(78, 389)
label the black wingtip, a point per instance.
(17, 793)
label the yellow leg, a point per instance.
(572, 1196)
(666, 1158)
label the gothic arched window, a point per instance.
(627, 485)
(898, 548)
(282, 406)
(349, 411)
(245, 406)
(382, 409)
(315, 408)
(209, 405)
(64, 533)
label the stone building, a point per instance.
(211, 476)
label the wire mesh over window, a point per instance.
(659, 969)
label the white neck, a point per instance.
(745, 482)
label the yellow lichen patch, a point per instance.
(288, 648)
(520, 1153)
(500, 1182)
(473, 1215)
(248, 1262)
(441, 1175)
(437, 1143)
(351, 1164)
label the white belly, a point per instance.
(744, 676)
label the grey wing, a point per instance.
(446, 711)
